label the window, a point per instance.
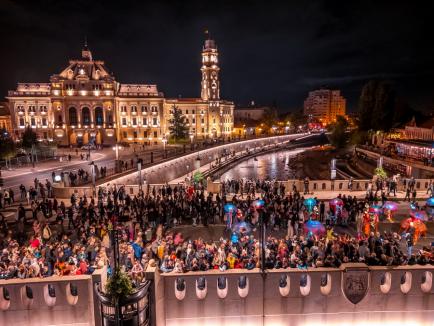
(123, 108)
(155, 134)
(33, 122)
(124, 122)
(145, 134)
(134, 121)
(60, 119)
(125, 134)
(203, 130)
(44, 122)
(144, 109)
(186, 111)
(134, 109)
(73, 116)
(85, 116)
(22, 122)
(154, 109)
(135, 134)
(154, 121)
(145, 121)
(32, 109)
(99, 116)
(110, 119)
(43, 109)
(202, 121)
(193, 120)
(192, 111)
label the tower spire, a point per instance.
(85, 52)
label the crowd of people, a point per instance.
(72, 238)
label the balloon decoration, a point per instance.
(259, 204)
(312, 227)
(419, 215)
(309, 203)
(229, 208)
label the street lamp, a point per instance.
(164, 140)
(191, 140)
(92, 169)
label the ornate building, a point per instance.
(84, 103)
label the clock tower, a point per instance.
(210, 72)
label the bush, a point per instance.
(119, 286)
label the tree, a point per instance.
(376, 106)
(29, 138)
(339, 136)
(269, 118)
(178, 126)
(297, 118)
(7, 145)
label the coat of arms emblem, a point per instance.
(355, 284)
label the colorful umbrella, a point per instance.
(336, 202)
(375, 209)
(420, 215)
(430, 202)
(390, 205)
(259, 204)
(309, 203)
(314, 227)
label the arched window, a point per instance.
(73, 116)
(99, 116)
(85, 116)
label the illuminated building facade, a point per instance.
(84, 103)
(325, 105)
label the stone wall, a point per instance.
(83, 312)
(264, 304)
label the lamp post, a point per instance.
(191, 140)
(164, 140)
(139, 170)
(92, 169)
(117, 148)
(259, 205)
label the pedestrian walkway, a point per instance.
(47, 166)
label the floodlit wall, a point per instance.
(265, 305)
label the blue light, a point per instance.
(229, 208)
(430, 202)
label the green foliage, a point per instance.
(359, 137)
(29, 138)
(339, 136)
(270, 118)
(7, 145)
(119, 285)
(178, 126)
(381, 173)
(197, 176)
(296, 118)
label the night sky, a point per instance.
(269, 51)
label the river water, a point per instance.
(266, 167)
